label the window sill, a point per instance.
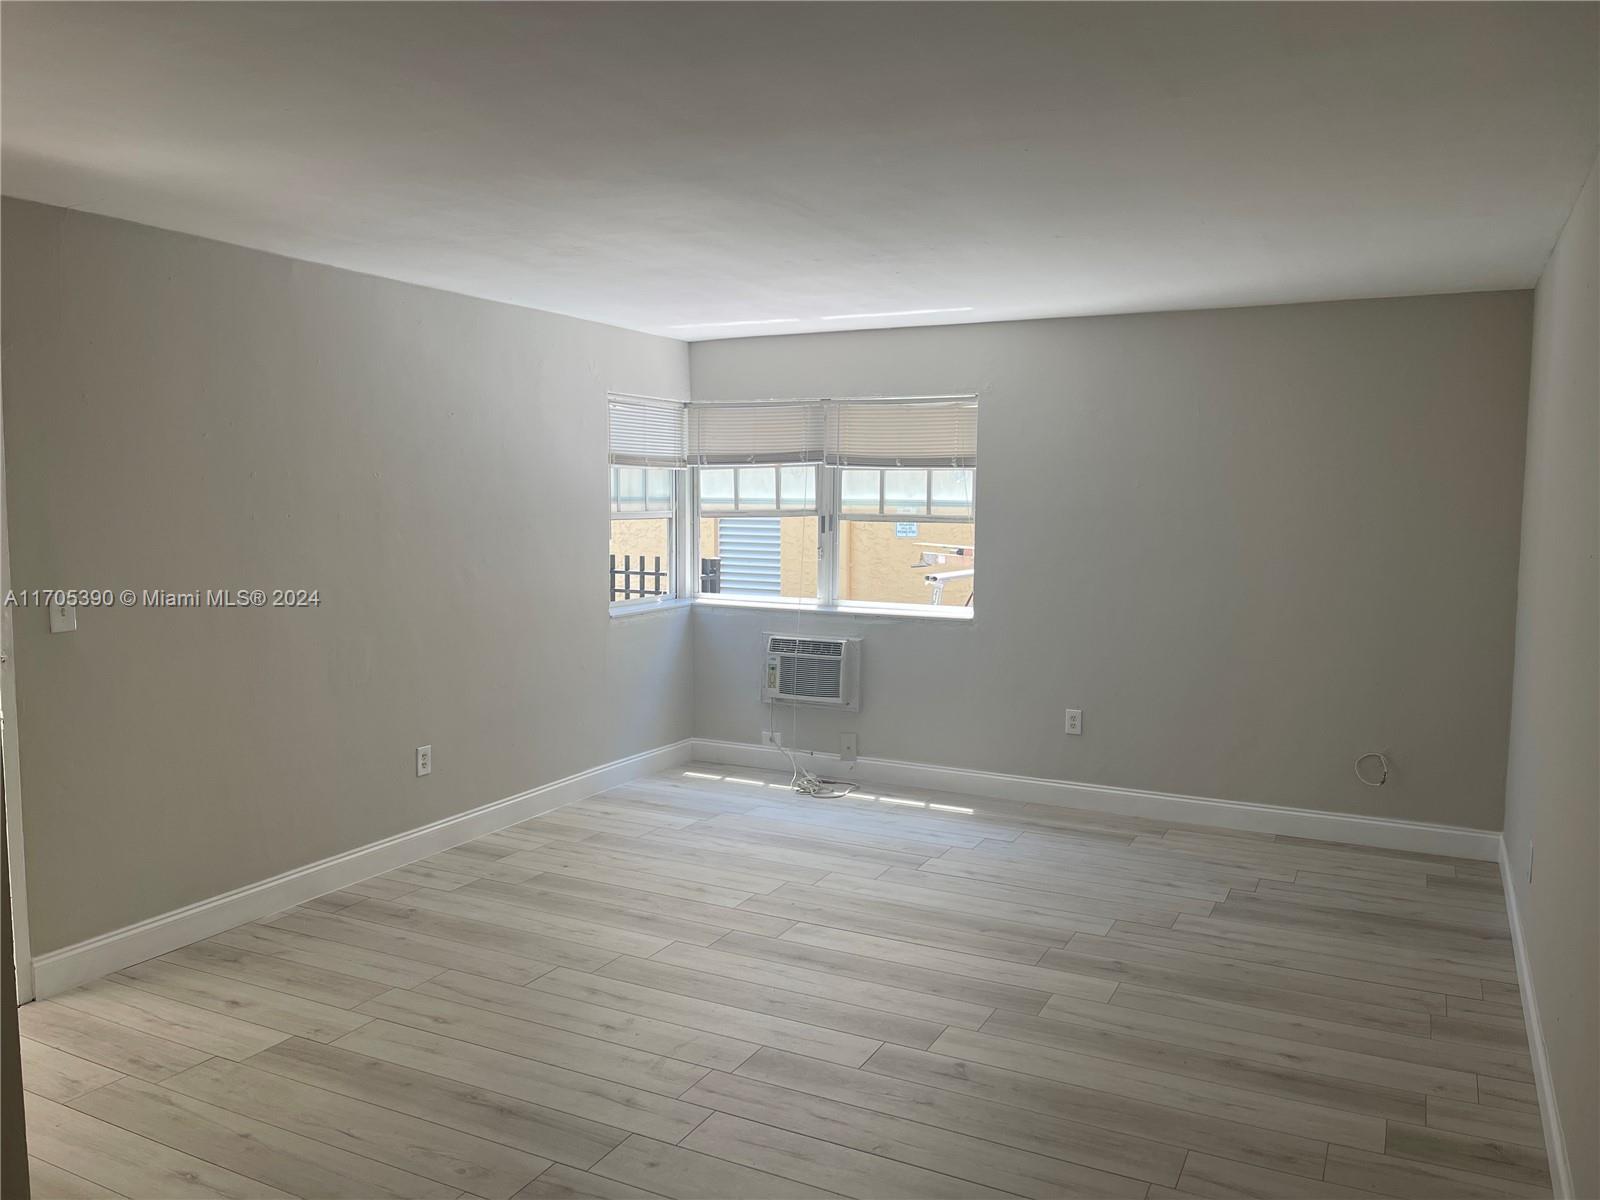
(639, 610)
(812, 608)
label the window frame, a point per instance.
(679, 585)
(829, 512)
(697, 514)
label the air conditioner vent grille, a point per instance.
(809, 678)
(789, 645)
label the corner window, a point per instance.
(643, 503)
(837, 503)
(647, 495)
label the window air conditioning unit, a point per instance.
(803, 670)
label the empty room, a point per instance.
(499, 701)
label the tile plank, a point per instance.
(868, 969)
(1415, 1180)
(1516, 1161)
(871, 1023)
(1288, 1082)
(588, 1096)
(244, 1001)
(104, 1043)
(606, 1024)
(1223, 1179)
(421, 948)
(422, 915)
(950, 1153)
(199, 1028)
(294, 1164)
(846, 1048)
(647, 1070)
(1500, 1124)
(568, 1183)
(1258, 1045)
(974, 966)
(128, 1163)
(59, 1076)
(1255, 1144)
(1241, 1105)
(916, 1004)
(1042, 1131)
(688, 1175)
(542, 1133)
(483, 1167)
(838, 1169)
(49, 1182)
(386, 970)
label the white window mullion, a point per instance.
(828, 536)
(685, 566)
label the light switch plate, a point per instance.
(63, 618)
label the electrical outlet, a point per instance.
(847, 747)
(771, 737)
(424, 761)
(1075, 721)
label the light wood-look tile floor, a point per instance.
(704, 986)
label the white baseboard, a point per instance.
(1555, 1140)
(70, 966)
(1453, 840)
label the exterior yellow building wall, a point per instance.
(799, 541)
(648, 537)
(876, 565)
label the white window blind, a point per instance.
(776, 432)
(866, 433)
(904, 433)
(647, 433)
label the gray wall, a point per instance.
(1553, 780)
(185, 414)
(1250, 544)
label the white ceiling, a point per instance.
(659, 166)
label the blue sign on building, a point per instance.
(905, 529)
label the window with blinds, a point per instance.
(771, 433)
(647, 453)
(868, 502)
(647, 433)
(941, 432)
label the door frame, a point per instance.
(16, 866)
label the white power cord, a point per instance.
(1383, 765)
(802, 780)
